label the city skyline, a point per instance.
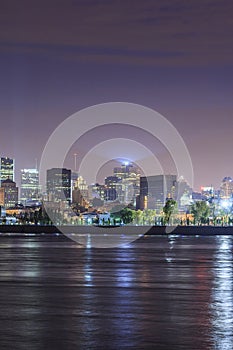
(174, 57)
(31, 189)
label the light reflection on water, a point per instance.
(222, 295)
(109, 239)
(169, 254)
(160, 293)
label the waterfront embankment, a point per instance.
(127, 229)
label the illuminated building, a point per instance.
(81, 184)
(155, 189)
(113, 188)
(125, 170)
(77, 198)
(226, 189)
(29, 185)
(123, 186)
(183, 194)
(207, 192)
(80, 194)
(97, 191)
(2, 196)
(7, 169)
(58, 184)
(128, 187)
(9, 193)
(74, 177)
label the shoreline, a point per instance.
(127, 229)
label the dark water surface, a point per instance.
(157, 293)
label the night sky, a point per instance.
(57, 57)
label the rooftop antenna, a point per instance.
(75, 161)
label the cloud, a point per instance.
(137, 32)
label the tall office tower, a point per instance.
(125, 170)
(96, 191)
(113, 188)
(7, 169)
(9, 193)
(83, 187)
(80, 193)
(58, 184)
(29, 185)
(74, 177)
(226, 189)
(129, 185)
(155, 189)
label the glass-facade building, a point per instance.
(29, 190)
(58, 184)
(155, 189)
(10, 193)
(7, 169)
(129, 185)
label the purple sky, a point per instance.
(57, 57)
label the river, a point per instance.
(168, 292)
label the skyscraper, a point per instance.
(81, 184)
(113, 188)
(7, 169)
(80, 194)
(9, 193)
(129, 184)
(155, 189)
(59, 184)
(29, 185)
